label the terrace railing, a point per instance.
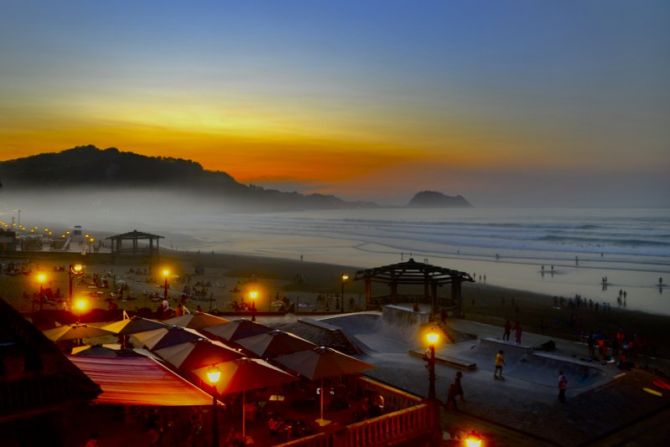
(417, 421)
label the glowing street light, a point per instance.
(473, 440)
(80, 306)
(41, 278)
(432, 337)
(74, 270)
(213, 377)
(166, 275)
(253, 296)
(343, 279)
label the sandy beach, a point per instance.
(308, 288)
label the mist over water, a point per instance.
(631, 247)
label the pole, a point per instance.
(253, 311)
(165, 290)
(69, 273)
(342, 297)
(431, 373)
(244, 416)
(322, 393)
(215, 420)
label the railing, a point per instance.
(394, 399)
(387, 430)
(318, 440)
(392, 428)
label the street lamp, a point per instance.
(473, 440)
(344, 278)
(432, 338)
(213, 377)
(253, 296)
(41, 278)
(79, 306)
(166, 275)
(74, 270)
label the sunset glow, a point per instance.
(328, 99)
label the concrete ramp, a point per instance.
(522, 362)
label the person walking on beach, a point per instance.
(508, 330)
(500, 362)
(458, 387)
(517, 333)
(562, 386)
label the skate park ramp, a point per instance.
(372, 333)
(522, 362)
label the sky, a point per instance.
(522, 102)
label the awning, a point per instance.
(139, 381)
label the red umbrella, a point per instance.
(198, 320)
(197, 354)
(167, 336)
(320, 363)
(133, 325)
(244, 374)
(275, 343)
(75, 332)
(237, 329)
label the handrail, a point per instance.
(387, 388)
(317, 440)
(387, 429)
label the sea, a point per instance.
(599, 254)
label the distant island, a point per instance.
(435, 199)
(88, 167)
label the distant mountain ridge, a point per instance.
(435, 199)
(89, 166)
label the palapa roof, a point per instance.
(136, 235)
(412, 272)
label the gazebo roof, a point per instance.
(136, 235)
(412, 272)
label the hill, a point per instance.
(434, 199)
(111, 169)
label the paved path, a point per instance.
(527, 400)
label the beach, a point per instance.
(311, 288)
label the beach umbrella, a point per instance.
(104, 350)
(275, 343)
(237, 329)
(75, 332)
(245, 374)
(321, 363)
(198, 320)
(197, 354)
(167, 336)
(133, 325)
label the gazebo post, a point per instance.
(433, 296)
(456, 296)
(368, 292)
(394, 291)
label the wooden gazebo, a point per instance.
(134, 237)
(415, 273)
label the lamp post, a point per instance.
(432, 338)
(213, 377)
(41, 279)
(79, 306)
(344, 278)
(74, 270)
(166, 275)
(473, 440)
(253, 296)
